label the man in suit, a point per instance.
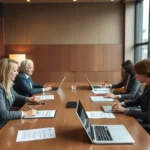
(23, 82)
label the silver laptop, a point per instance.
(103, 134)
(93, 87)
(107, 109)
(55, 89)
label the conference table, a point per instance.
(70, 134)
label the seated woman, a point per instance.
(132, 86)
(8, 72)
(142, 70)
(23, 82)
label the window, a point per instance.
(142, 39)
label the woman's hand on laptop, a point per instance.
(111, 95)
(116, 107)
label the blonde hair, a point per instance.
(6, 66)
(24, 64)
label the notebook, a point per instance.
(103, 134)
(43, 114)
(97, 87)
(55, 89)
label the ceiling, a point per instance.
(57, 1)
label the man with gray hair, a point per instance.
(23, 82)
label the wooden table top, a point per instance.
(70, 134)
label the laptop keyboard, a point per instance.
(102, 133)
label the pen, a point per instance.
(104, 82)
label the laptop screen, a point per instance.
(84, 120)
(88, 81)
(62, 82)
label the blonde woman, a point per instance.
(8, 72)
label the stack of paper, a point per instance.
(100, 91)
(35, 134)
(43, 114)
(46, 97)
(101, 99)
(99, 114)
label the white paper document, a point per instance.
(43, 114)
(100, 92)
(46, 97)
(99, 114)
(101, 89)
(101, 99)
(35, 134)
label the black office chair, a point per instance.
(146, 126)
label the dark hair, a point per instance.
(143, 67)
(128, 67)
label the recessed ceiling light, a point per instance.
(111, 0)
(28, 0)
(74, 0)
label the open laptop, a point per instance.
(107, 109)
(96, 87)
(103, 134)
(55, 89)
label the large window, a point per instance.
(142, 36)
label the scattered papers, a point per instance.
(101, 99)
(100, 92)
(46, 97)
(35, 134)
(99, 114)
(43, 114)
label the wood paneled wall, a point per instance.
(67, 39)
(2, 51)
(52, 62)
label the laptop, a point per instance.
(107, 109)
(55, 89)
(96, 87)
(103, 134)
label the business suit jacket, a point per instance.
(134, 89)
(22, 86)
(6, 104)
(144, 102)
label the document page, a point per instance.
(99, 114)
(101, 89)
(46, 97)
(100, 99)
(35, 134)
(43, 114)
(100, 92)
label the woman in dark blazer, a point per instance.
(8, 72)
(132, 86)
(142, 70)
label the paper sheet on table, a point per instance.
(99, 114)
(46, 97)
(100, 92)
(100, 99)
(101, 89)
(35, 134)
(43, 114)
